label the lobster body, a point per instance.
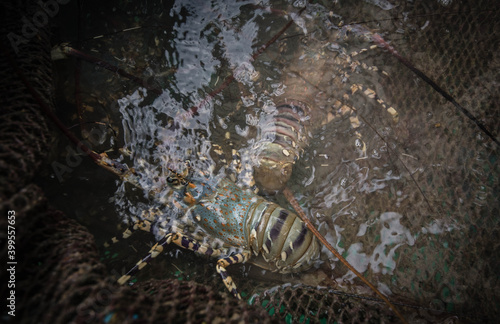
(246, 221)
(238, 218)
(279, 144)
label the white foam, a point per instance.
(392, 235)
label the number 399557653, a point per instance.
(11, 235)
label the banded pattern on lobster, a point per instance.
(260, 231)
(322, 84)
(282, 137)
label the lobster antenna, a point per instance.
(289, 195)
(64, 50)
(377, 38)
(230, 78)
(426, 15)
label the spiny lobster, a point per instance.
(188, 182)
(277, 238)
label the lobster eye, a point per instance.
(171, 180)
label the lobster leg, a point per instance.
(193, 245)
(355, 123)
(145, 223)
(373, 95)
(176, 238)
(153, 253)
(223, 263)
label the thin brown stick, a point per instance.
(92, 59)
(289, 195)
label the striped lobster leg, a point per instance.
(354, 118)
(188, 243)
(145, 223)
(223, 263)
(371, 94)
(153, 253)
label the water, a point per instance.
(410, 201)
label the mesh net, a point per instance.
(417, 213)
(59, 277)
(20, 113)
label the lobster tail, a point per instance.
(281, 140)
